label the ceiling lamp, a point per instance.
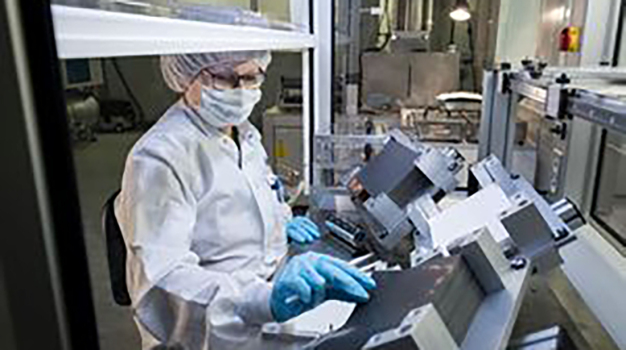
(460, 12)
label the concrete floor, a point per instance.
(99, 168)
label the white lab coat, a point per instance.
(203, 235)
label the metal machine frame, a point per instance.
(561, 101)
(573, 97)
(517, 221)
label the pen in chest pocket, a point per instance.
(278, 188)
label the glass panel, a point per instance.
(337, 155)
(111, 103)
(407, 64)
(527, 139)
(610, 198)
(282, 14)
(280, 118)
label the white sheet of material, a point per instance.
(480, 210)
(329, 316)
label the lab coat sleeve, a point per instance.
(157, 212)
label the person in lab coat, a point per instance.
(205, 232)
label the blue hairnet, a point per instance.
(179, 70)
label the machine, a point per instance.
(469, 263)
(390, 195)
(576, 133)
(397, 190)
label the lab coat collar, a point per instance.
(247, 134)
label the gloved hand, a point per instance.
(309, 279)
(302, 230)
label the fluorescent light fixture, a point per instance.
(460, 12)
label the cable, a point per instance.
(470, 34)
(129, 91)
(452, 30)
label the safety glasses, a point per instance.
(225, 78)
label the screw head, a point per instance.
(563, 79)
(518, 263)
(561, 233)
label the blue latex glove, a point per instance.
(302, 230)
(310, 279)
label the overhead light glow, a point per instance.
(460, 14)
(461, 11)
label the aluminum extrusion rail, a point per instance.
(607, 111)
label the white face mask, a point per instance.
(222, 108)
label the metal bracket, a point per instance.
(556, 101)
(535, 227)
(421, 329)
(504, 82)
(484, 257)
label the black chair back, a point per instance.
(116, 252)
